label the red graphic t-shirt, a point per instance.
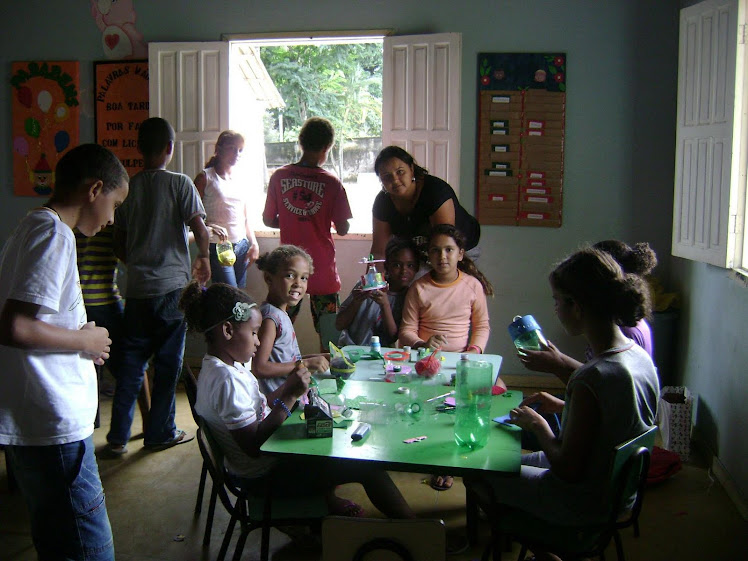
(307, 202)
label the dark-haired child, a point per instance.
(241, 417)
(611, 399)
(639, 260)
(286, 271)
(379, 312)
(48, 391)
(304, 201)
(447, 307)
(151, 237)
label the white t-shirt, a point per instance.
(229, 398)
(46, 397)
(225, 205)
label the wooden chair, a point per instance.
(254, 511)
(627, 477)
(355, 539)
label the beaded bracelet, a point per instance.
(277, 401)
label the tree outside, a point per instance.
(340, 82)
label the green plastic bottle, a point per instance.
(473, 402)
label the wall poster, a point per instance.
(521, 124)
(44, 110)
(121, 101)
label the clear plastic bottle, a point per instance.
(473, 401)
(526, 333)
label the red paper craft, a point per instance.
(429, 366)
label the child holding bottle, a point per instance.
(241, 417)
(286, 271)
(638, 260)
(379, 312)
(610, 399)
(446, 308)
(225, 202)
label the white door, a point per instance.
(421, 100)
(708, 147)
(189, 87)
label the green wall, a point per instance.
(621, 71)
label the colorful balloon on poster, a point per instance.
(62, 139)
(24, 96)
(61, 112)
(44, 100)
(21, 146)
(32, 127)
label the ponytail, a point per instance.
(468, 267)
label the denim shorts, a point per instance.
(63, 492)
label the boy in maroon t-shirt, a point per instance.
(304, 201)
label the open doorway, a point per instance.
(275, 85)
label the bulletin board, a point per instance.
(121, 105)
(521, 128)
(44, 110)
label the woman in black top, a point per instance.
(412, 201)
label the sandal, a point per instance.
(179, 438)
(446, 482)
(344, 507)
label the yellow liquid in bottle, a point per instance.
(227, 257)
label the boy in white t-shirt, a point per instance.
(48, 390)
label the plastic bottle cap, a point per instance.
(464, 356)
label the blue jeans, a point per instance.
(63, 492)
(112, 317)
(153, 327)
(236, 274)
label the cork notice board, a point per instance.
(121, 105)
(521, 121)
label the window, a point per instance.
(709, 215)
(189, 86)
(276, 85)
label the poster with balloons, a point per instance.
(44, 107)
(121, 95)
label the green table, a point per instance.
(438, 453)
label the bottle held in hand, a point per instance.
(526, 333)
(225, 253)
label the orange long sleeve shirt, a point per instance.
(457, 310)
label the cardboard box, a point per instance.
(318, 416)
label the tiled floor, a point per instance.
(151, 497)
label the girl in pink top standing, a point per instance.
(225, 202)
(447, 307)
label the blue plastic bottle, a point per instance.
(526, 333)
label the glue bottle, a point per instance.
(376, 346)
